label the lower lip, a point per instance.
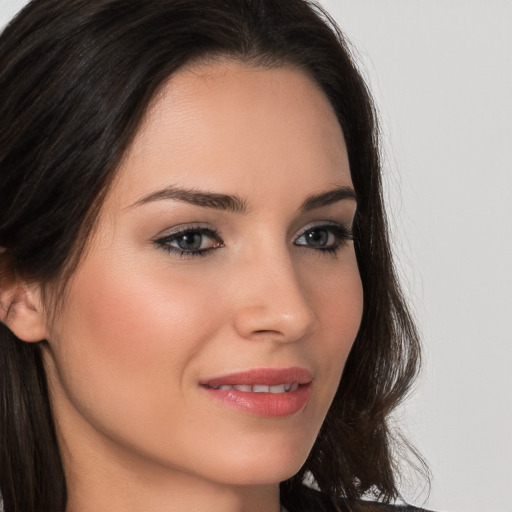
(264, 404)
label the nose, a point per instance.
(271, 302)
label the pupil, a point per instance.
(317, 237)
(190, 242)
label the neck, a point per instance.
(118, 484)
(103, 490)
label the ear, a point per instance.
(21, 309)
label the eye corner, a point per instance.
(335, 236)
(176, 241)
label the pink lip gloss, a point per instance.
(271, 392)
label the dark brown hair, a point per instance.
(76, 77)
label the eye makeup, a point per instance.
(189, 241)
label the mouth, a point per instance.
(259, 388)
(259, 379)
(270, 392)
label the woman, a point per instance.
(194, 253)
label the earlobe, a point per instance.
(21, 310)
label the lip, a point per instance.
(263, 404)
(267, 376)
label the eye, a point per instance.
(327, 237)
(190, 241)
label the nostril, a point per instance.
(275, 324)
(270, 303)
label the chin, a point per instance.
(267, 464)
(271, 473)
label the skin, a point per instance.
(141, 326)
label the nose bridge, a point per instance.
(272, 300)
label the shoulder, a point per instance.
(371, 506)
(315, 501)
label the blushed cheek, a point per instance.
(342, 314)
(353, 306)
(342, 298)
(117, 349)
(141, 319)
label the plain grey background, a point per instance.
(441, 73)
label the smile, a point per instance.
(260, 388)
(267, 392)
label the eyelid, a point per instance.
(183, 227)
(164, 241)
(341, 231)
(325, 224)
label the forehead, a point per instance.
(228, 125)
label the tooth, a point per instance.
(260, 388)
(243, 387)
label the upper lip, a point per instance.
(266, 376)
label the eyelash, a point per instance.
(165, 242)
(342, 234)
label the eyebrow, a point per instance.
(327, 198)
(205, 199)
(236, 204)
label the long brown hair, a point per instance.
(75, 79)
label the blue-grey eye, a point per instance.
(326, 238)
(322, 236)
(191, 241)
(319, 237)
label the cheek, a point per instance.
(338, 300)
(125, 351)
(127, 336)
(135, 313)
(338, 296)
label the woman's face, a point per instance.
(222, 257)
